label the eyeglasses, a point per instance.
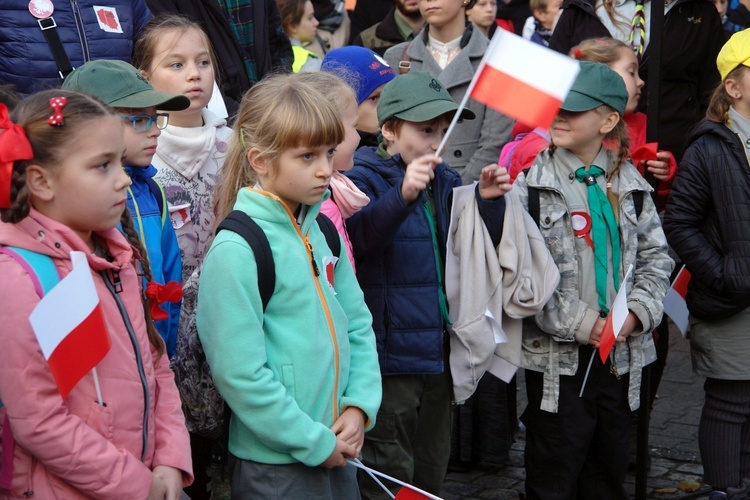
(142, 123)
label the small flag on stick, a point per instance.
(674, 302)
(615, 319)
(69, 324)
(523, 79)
(407, 491)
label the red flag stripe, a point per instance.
(515, 98)
(607, 340)
(681, 282)
(83, 348)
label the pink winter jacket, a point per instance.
(77, 448)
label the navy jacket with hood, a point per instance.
(395, 258)
(25, 57)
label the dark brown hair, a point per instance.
(718, 106)
(291, 13)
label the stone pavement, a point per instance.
(673, 442)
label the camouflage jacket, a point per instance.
(549, 343)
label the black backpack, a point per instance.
(206, 412)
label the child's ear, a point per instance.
(40, 181)
(258, 162)
(388, 133)
(144, 75)
(732, 88)
(610, 122)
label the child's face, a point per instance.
(88, 188)
(721, 6)
(580, 132)
(439, 13)
(416, 139)
(368, 112)
(299, 175)
(308, 26)
(140, 146)
(343, 159)
(627, 67)
(483, 13)
(546, 17)
(182, 65)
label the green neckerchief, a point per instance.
(603, 223)
(429, 208)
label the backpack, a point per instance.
(206, 413)
(44, 275)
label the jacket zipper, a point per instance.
(138, 359)
(80, 28)
(30, 483)
(326, 310)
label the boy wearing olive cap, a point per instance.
(399, 243)
(598, 219)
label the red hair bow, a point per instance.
(158, 294)
(57, 104)
(14, 146)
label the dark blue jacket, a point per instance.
(25, 57)
(396, 265)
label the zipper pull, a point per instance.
(312, 258)
(116, 281)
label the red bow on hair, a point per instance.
(14, 146)
(57, 104)
(158, 294)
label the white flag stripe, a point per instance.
(549, 71)
(620, 305)
(676, 308)
(65, 306)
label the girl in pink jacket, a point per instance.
(63, 189)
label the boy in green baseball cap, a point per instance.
(399, 241)
(122, 87)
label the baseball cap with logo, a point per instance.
(362, 68)
(734, 53)
(120, 85)
(416, 97)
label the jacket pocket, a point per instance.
(553, 229)
(385, 430)
(535, 347)
(100, 418)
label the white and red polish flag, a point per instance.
(70, 327)
(523, 79)
(615, 319)
(674, 302)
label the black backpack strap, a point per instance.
(49, 30)
(240, 223)
(638, 202)
(328, 228)
(533, 209)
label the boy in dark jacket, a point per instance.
(399, 242)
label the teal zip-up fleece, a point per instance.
(287, 373)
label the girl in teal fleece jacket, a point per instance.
(302, 376)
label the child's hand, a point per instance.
(596, 333)
(158, 489)
(418, 174)
(494, 182)
(172, 479)
(660, 166)
(341, 452)
(631, 324)
(350, 427)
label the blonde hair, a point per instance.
(280, 112)
(334, 89)
(718, 106)
(615, 17)
(601, 50)
(144, 49)
(50, 144)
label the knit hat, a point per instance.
(596, 84)
(363, 69)
(416, 97)
(734, 53)
(120, 85)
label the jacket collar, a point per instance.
(460, 70)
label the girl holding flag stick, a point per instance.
(577, 442)
(62, 196)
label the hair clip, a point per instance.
(601, 42)
(57, 104)
(14, 146)
(577, 53)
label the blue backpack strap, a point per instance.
(44, 275)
